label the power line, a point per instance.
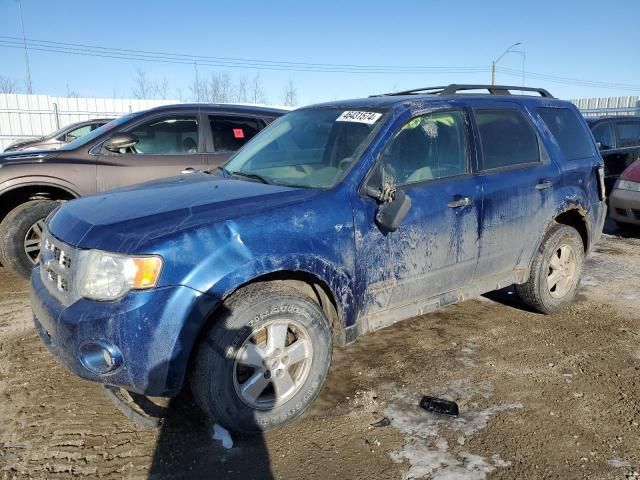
(281, 65)
(569, 80)
(164, 57)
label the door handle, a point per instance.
(460, 202)
(543, 185)
(188, 170)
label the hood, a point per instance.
(632, 172)
(125, 219)
(24, 143)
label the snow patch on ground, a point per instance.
(427, 452)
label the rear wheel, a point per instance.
(20, 235)
(555, 271)
(264, 360)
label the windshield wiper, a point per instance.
(254, 176)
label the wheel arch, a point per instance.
(309, 284)
(19, 194)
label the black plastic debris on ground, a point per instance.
(439, 405)
(385, 422)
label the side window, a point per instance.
(427, 147)
(603, 134)
(628, 134)
(507, 138)
(568, 131)
(77, 133)
(168, 135)
(231, 133)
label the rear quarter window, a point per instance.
(569, 132)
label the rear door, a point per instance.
(169, 144)
(518, 180)
(228, 133)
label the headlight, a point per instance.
(627, 185)
(109, 276)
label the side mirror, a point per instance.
(394, 205)
(390, 214)
(121, 140)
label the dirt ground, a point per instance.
(540, 397)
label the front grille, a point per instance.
(621, 211)
(56, 262)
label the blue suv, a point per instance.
(338, 219)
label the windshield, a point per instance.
(79, 142)
(307, 148)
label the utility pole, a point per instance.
(494, 63)
(195, 66)
(26, 53)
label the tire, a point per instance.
(25, 219)
(220, 383)
(563, 247)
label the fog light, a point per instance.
(100, 357)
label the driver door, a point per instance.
(435, 249)
(168, 144)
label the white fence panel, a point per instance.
(30, 116)
(602, 106)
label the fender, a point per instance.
(336, 279)
(566, 199)
(35, 181)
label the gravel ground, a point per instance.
(539, 396)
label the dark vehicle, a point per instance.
(60, 137)
(338, 219)
(156, 143)
(618, 139)
(624, 202)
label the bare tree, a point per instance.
(242, 90)
(9, 86)
(200, 91)
(221, 88)
(290, 94)
(161, 89)
(72, 93)
(256, 91)
(143, 87)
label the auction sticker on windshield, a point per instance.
(359, 117)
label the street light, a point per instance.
(493, 64)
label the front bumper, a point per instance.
(625, 206)
(154, 332)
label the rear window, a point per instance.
(569, 132)
(507, 138)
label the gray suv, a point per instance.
(161, 142)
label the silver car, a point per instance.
(60, 137)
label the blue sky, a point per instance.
(586, 40)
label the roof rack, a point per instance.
(454, 89)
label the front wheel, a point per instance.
(555, 271)
(264, 360)
(21, 233)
